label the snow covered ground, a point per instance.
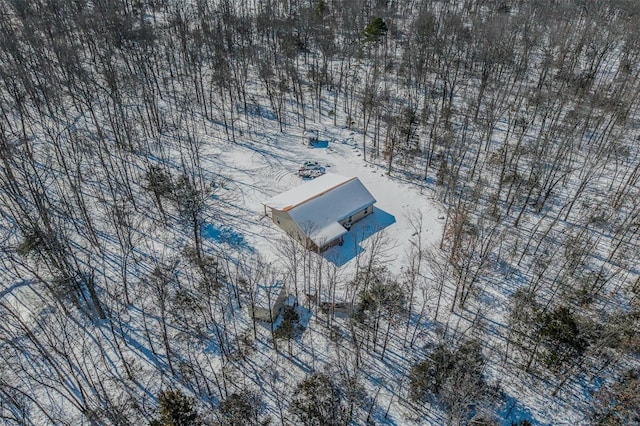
(263, 164)
(263, 167)
(260, 162)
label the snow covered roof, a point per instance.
(308, 190)
(269, 294)
(317, 206)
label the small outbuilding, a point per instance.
(318, 213)
(310, 137)
(268, 301)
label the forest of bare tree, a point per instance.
(521, 117)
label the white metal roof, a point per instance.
(291, 198)
(317, 206)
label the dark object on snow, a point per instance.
(311, 169)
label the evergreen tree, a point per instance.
(376, 30)
(240, 409)
(175, 409)
(317, 401)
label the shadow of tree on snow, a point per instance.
(359, 232)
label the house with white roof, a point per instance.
(318, 213)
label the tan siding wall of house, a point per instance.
(327, 246)
(284, 221)
(358, 216)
